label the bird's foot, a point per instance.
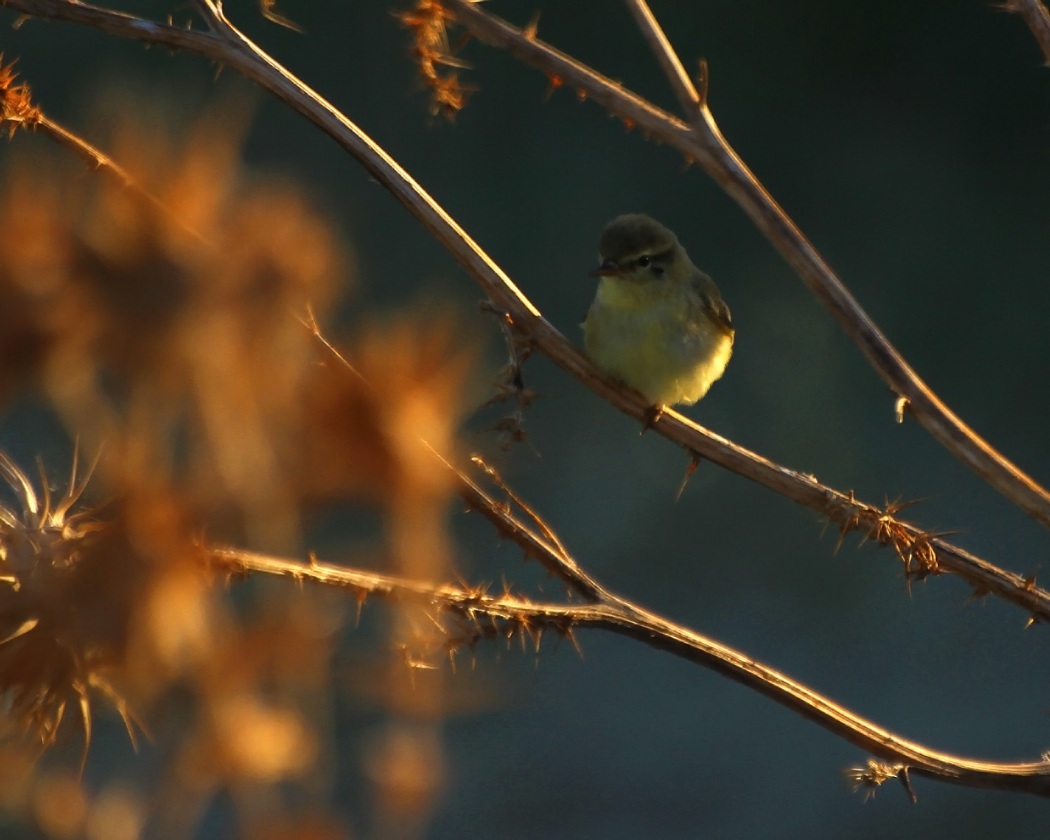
(652, 416)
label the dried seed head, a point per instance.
(16, 108)
(50, 654)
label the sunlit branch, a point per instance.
(233, 49)
(504, 616)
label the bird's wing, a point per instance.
(711, 298)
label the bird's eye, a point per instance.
(644, 260)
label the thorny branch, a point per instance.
(922, 553)
(481, 615)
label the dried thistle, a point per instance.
(915, 550)
(53, 653)
(174, 320)
(16, 108)
(428, 22)
(38, 316)
(869, 777)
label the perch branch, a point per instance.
(703, 142)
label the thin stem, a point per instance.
(689, 100)
(100, 161)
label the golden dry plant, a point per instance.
(170, 318)
(16, 107)
(428, 22)
(144, 319)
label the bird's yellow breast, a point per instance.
(657, 337)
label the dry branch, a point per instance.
(483, 615)
(921, 553)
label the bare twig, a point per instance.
(551, 554)
(689, 100)
(841, 508)
(121, 24)
(509, 614)
(100, 161)
(921, 553)
(511, 493)
(704, 143)
(18, 111)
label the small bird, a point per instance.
(657, 323)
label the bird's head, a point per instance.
(638, 248)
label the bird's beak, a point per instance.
(608, 268)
